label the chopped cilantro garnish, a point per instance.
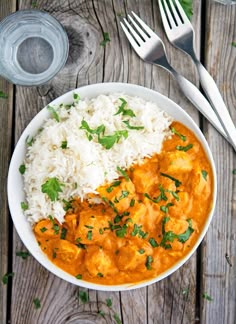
(123, 173)
(184, 148)
(76, 97)
(101, 231)
(234, 171)
(83, 296)
(67, 204)
(185, 236)
(24, 206)
(165, 208)
(126, 122)
(22, 168)
(3, 95)
(6, 276)
(123, 111)
(89, 235)
(52, 187)
(64, 144)
(109, 140)
(88, 226)
(63, 233)
(117, 319)
(99, 274)
(148, 262)
(174, 131)
(78, 276)
(109, 302)
(43, 229)
(233, 44)
(124, 194)
(204, 174)
(23, 254)
(177, 182)
(141, 251)
(207, 297)
(122, 232)
(37, 304)
(29, 140)
(132, 202)
(153, 242)
(114, 184)
(106, 39)
(54, 113)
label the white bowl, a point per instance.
(15, 180)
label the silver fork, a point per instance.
(151, 49)
(181, 34)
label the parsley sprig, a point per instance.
(52, 187)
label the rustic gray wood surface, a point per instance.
(207, 271)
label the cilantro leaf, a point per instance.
(148, 262)
(83, 296)
(22, 168)
(153, 242)
(176, 181)
(109, 140)
(165, 208)
(24, 206)
(6, 276)
(106, 39)
(78, 276)
(54, 113)
(23, 254)
(117, 319)
(114, 184)
(64, 145)
(207, 297)
(233, 44)
(187, 5)
(185, 236)
(126, 122)
(174, 131)
(234, 171)
(122, 232)
(184, 148)
(123, 173)
(204, 174)
(3, 95)
(76, 97)
(52, 187)
(109, 302)
(123, 111)
(37, 304)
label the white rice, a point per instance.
(85, 165)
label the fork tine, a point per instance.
(134, 33)
(182, 12)
(130, 38)
(147, 29)
(166, 12)
(175, 13)
(141, 33)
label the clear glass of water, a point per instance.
(34, 47)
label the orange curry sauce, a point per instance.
(146, 223)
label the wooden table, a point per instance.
(179, 298)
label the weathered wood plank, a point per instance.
(218, 277)
(6, 118)
(174, 299)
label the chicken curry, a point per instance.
(147, 220)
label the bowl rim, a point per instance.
(100, 88)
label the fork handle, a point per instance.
(198, 100)
(214, 96)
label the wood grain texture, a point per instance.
(218, 277)
(88, 62)
(6, 119)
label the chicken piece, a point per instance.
(200, 186)
(47, 229)
(65, 251)
(129, 256)
(177, 226)
(98, 260)
(70, 225)
(175, 162)
(138, 212)
(92, 222)
(183, 206)
(145, 176)
(119, 195)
